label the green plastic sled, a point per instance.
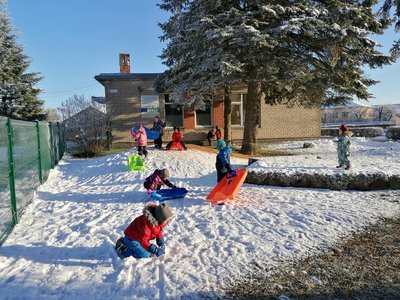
(135, 163)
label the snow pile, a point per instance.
(63, 246)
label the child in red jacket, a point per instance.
(156, 180)
(177, 137)
(142, 230)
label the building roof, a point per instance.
(125, 76)
(88, 111)
(350, 104)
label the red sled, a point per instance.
(228, 187)
(177, 145)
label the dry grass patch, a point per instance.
(236, 151)
(364, 266)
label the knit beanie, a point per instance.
(164, 173)
(163, 213)
(221, 144)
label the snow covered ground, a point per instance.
(63, 247)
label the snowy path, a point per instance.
(63, 245)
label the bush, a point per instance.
(393, 133)
(368, 132)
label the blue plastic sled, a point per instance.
(151, 134)
(169, 194)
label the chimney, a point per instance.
(124, 63)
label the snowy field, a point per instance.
(63, 247)
(376, 155)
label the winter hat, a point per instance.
(164, 173)
(343, 128)
(221, 144)
(163, 213)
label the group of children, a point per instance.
(211, 135)
(154, 218)
(149, 226)
(158, 125)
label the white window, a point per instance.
(173, 113)
(238, 112)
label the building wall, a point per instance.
(277, 122)
(281, 122)
(123, 103)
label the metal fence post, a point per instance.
(11, 172)
(52, 148)
(39, 153)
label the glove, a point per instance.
(228, 167)
(231, 174)
(156, 250)
(160, 243)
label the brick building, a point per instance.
(131, 98)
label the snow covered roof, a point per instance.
(351, 104)
(125, 76)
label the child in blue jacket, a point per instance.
(223, 164)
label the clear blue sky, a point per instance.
(71, 41)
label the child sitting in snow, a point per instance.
(141, 138)
(156, 180)
(177, 138)
(142, 230)
(343, 147)
(223, 164)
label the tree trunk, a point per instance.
(227, 115)
(253, 106)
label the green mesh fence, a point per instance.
(6, 220)
(27, 153)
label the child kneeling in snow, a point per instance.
(156, 180)
(142, 230)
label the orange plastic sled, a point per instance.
(227, 188)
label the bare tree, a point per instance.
(383, 113)
(52, 115)
(85, 125)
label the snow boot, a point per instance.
(120, 247)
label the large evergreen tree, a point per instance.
(18, 95)
(306, 53)
(386, 9)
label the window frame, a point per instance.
(170, 103)
(211, 117)
(241, 109)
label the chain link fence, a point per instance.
(28, 150)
